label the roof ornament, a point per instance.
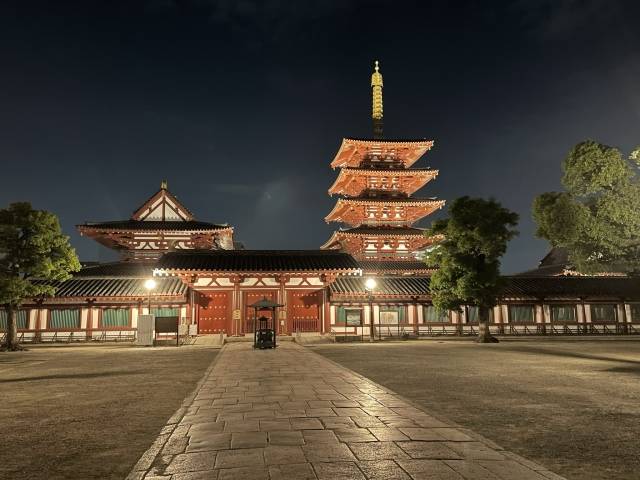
(377, 111)
(163, 185)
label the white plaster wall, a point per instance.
(627, 310)
(505, 313)
(84, 314)
(332, 315)
(249, 282)
(271, 282)
(620, 312)
(316, 281)
(411, 315)
(224, 282)
(580, 313)
(538, 317)
(96, 315)
(202, 281)
(33, 319)
(183, 314)
(134, 317)
(294, 281)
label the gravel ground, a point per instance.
(88, 412)
(573, 406)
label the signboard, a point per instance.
(389, 317)
(353, 317)
(237, 314)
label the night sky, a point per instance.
(242, 105)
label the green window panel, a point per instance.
(166, 312)
(603, 313)
(432, 315)
(635, 312)
(65, 318)
(115, 317)
(21, 319)
(522, 314)
(392, 315)
(563, 313)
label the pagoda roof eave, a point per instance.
(410, 202)
(428, 174)
(421, 146)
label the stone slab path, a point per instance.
(292, 414)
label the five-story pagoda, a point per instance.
(376, 181)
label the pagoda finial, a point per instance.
(376, 111)
(163, 185)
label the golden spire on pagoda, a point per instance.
(163, 185)
(376, 111)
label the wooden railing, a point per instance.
(305, 325)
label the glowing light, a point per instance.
(370, 284)
(150, 284)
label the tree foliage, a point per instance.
(475, 237)
(596, 219)
(33, 253)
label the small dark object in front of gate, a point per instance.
(264, 328)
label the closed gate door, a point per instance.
(249, 299)
(213, 309)
(303, 310)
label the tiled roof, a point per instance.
(153, 225)
(373, 141)
(516, 287)
(383, 230)
(397, 286)
(117, 287)
(572, 287)
(118, 269)
(393, 266)
(259, 261)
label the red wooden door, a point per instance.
(214, 312)
(303, 310)
(250, 298)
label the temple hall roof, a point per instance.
(515, 287)
(258, 261)
(117, 287)
(154, 225)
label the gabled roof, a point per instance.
(162, 205)
(258, 261)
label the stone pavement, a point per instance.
(292, 414)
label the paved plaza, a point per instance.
(292, 414)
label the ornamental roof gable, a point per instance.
(162, 206)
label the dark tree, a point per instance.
(33, 253)
(474, 238)
(596, 219)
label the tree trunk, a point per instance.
(11, 339)
(484, 334)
